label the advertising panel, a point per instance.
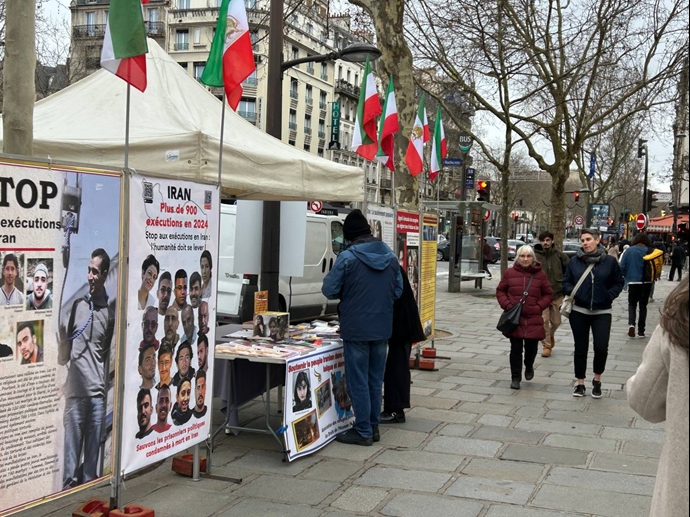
(60, 247)
(382, 222)
(171, 318)
(407, 249)
(317, 406)
(427, 301)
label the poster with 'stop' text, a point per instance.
(427, 298)
(60, 247)
(171, 318)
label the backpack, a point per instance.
(653, 262)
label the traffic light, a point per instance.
(576, 196)
(652, 199)
(663, 213)
(641, 148)
(484, 191)
(515, 216)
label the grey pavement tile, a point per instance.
(460, 416)
(287, 490)
(641, 435)
(590, 418)
(419, 391)
(563, 393)
(495, 420)
(387, 477)
(596, 502)
(460, 395)
(204, 502)
(501, 469)
(413, 423)
(625, 463)
(646, 449)
(265, 461)
(261, 508)
(427, 460)
(469, 381)
(553, 426)
(433, 402)
(395, 437)
(565, 405)
(483, 390)
(592, 479)
(414, 505)
(456, 430)
(530, 412)
(480, 371)
(343, 451)
(486, 489)
(514, 511)
(523, 398)
(360, 499)
(485, 407)
(443, 385)
(582, 443)
(332, 470)
(545, 455)
(508, 435)
(464, 446)
(640, 423)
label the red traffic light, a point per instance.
(481, 185)
(576, 196)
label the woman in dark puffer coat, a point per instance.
(531, 329)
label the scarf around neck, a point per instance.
(596, 257)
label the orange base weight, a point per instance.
(93, 508)
(427, 364)
(133, 510)
(184, 464)
(429, 352)
(413, 362)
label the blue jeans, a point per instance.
(365, 362)
(83, 420)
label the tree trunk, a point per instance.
(396, 61)
(557, 226)
(505, 218)
(19, 72)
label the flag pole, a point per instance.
(129, 91)
(222, 134)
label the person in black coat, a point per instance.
(407, 329)
(677, 262)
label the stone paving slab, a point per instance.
(287, 490)
(457, 395)
(396, 437)
(495, 420)
(501, 434)
(257, 507)
(625, 463)
(582, 443)
(457, 417)
(427, 460)
(458, 430)
(646, 449)
(553, 426)
(360, 499)
(433, 402)
(387, 477)
(486, 489)
(332, 470)
(590, 418)
(514, 511)
(464, 446)
(641, 435)
(501, 469)
(589, 479)
(545, 455)
(413, 505)
(596, 502)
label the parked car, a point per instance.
(513, 246)
(495, 243)
(443, 250)
(571, 248)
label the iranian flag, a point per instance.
(415, 150)
(364, 141)
(231, 59)
(388, 127)
(439, 148)
(427, 133)
(124, 46)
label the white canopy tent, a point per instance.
(175, 131)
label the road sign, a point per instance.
(469, 178)
(452, 162)
(465, 141)
(663, 197)
(316, 206)
(579, 220)
(487, 215)
(641, 221)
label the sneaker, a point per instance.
(596, 389)
(529, 374)
(631, 331)
(377, 434)
(641, 335)
(515, 385)
(352, 437)
(393, 417)
(580, 391)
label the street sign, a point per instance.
(487, 215)
(335, 126)
(579, 220)
(469, 178)
(316, 206)
(452, 162)
(663, 197)
(465, 141)
(641, 221)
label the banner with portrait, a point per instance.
(407, 249)
(382, 223)
(60, 240)
(317, 406)
(171, 318)
(427, 296)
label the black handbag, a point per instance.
(510, 319)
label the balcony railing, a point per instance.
(323, 105)
(88, 31)
(386, 184)
(324, 76)
(322, 134)
(307, 131)
(310, 69)
(309, 101)
(251, 81)
(292, 125)
(293, 94)
(248, 115)
(155, 28)
(342, 86)
(182, 46)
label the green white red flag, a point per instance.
(427, 133)
(364, 141)
(414, 157)
(231, 59)
(388, 127)
(439, 148)
(124, 46)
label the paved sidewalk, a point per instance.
(471, 447)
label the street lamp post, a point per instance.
(677, 180)
(643, 150)
(355, 53)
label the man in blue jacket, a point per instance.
(366, 279)
(639, 289)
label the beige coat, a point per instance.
(659, 392)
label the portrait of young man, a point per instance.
(162, 409)
(144, 411)
(200, 395)
(29, 350)
(164, 292)
(41, 298)
(10, 272)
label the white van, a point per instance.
(300, 295)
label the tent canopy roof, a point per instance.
(175, 131)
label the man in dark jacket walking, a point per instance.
(677, 262)
(367, 280)
(553, 262)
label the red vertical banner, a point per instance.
(407, 227)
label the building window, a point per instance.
(356, 79)
(340, 73)
(252, 80)
(307, 147)
(322, 101)
(324, 71)
(291, 142)
(91, 23)
(182, 40)
(322, 128)
(254, 36)
(348, 76)
(197, 35)
(295, 53)
(294, 87)
(152, 15)
(247, 109)
(292, 121)
(310, 28)
(320, 152)
(249, 4)
(183, 4)
(307, 124)
(309, 96)
(198, 70)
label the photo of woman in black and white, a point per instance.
(301, 392)
(259, 326)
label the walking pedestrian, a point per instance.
(592, 307)
(366, 279)
(677, 261)
(658, 392)
(525, 279)
(553, 262)
(639, 288)
(613, 248)
(486, 257)
(407, 329)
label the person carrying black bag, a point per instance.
(407, 329)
